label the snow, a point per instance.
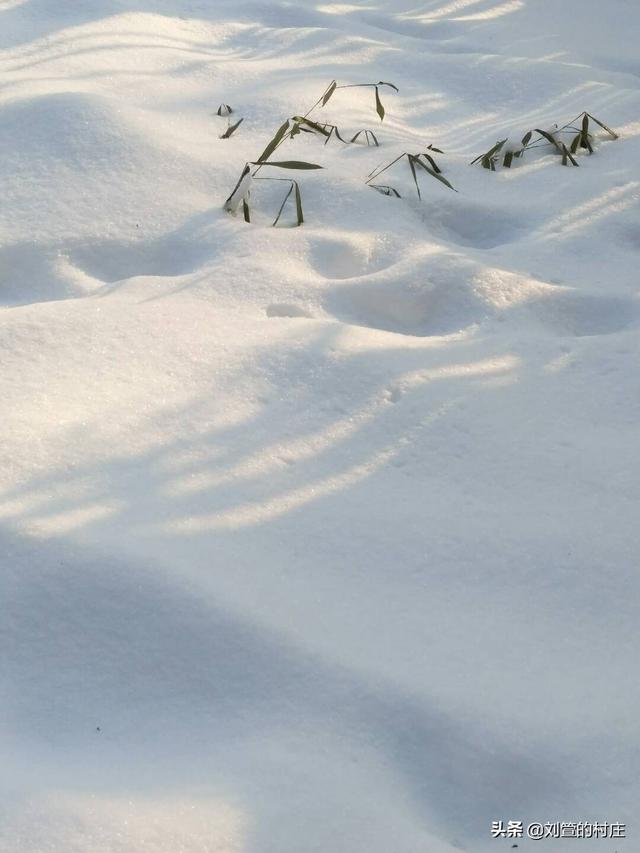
(319, 538)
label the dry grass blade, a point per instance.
(582, 138)
(567, 156)
(333, 131)
(277, 139)
(376, 87)
(379, 107)
(550, 138)
(379, 170)
(611, 133)
(293, 188)
(282, 206)
(369, 136)
(385, 190)
(240, 190)
(576, 142)
(585, 126)
(434, 174)
(304, 123)
(290, 164)
(231, 129)
(432, 162)
(298, 200)
(332, 87)
(412, 165)
(488, 159)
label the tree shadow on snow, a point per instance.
(139, 681)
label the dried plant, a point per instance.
(567, 141)
(302, 124)
(582, 139)
(240, 196)
(369, 137)
(422, 160)
(225, 111)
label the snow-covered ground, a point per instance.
(321, 538)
